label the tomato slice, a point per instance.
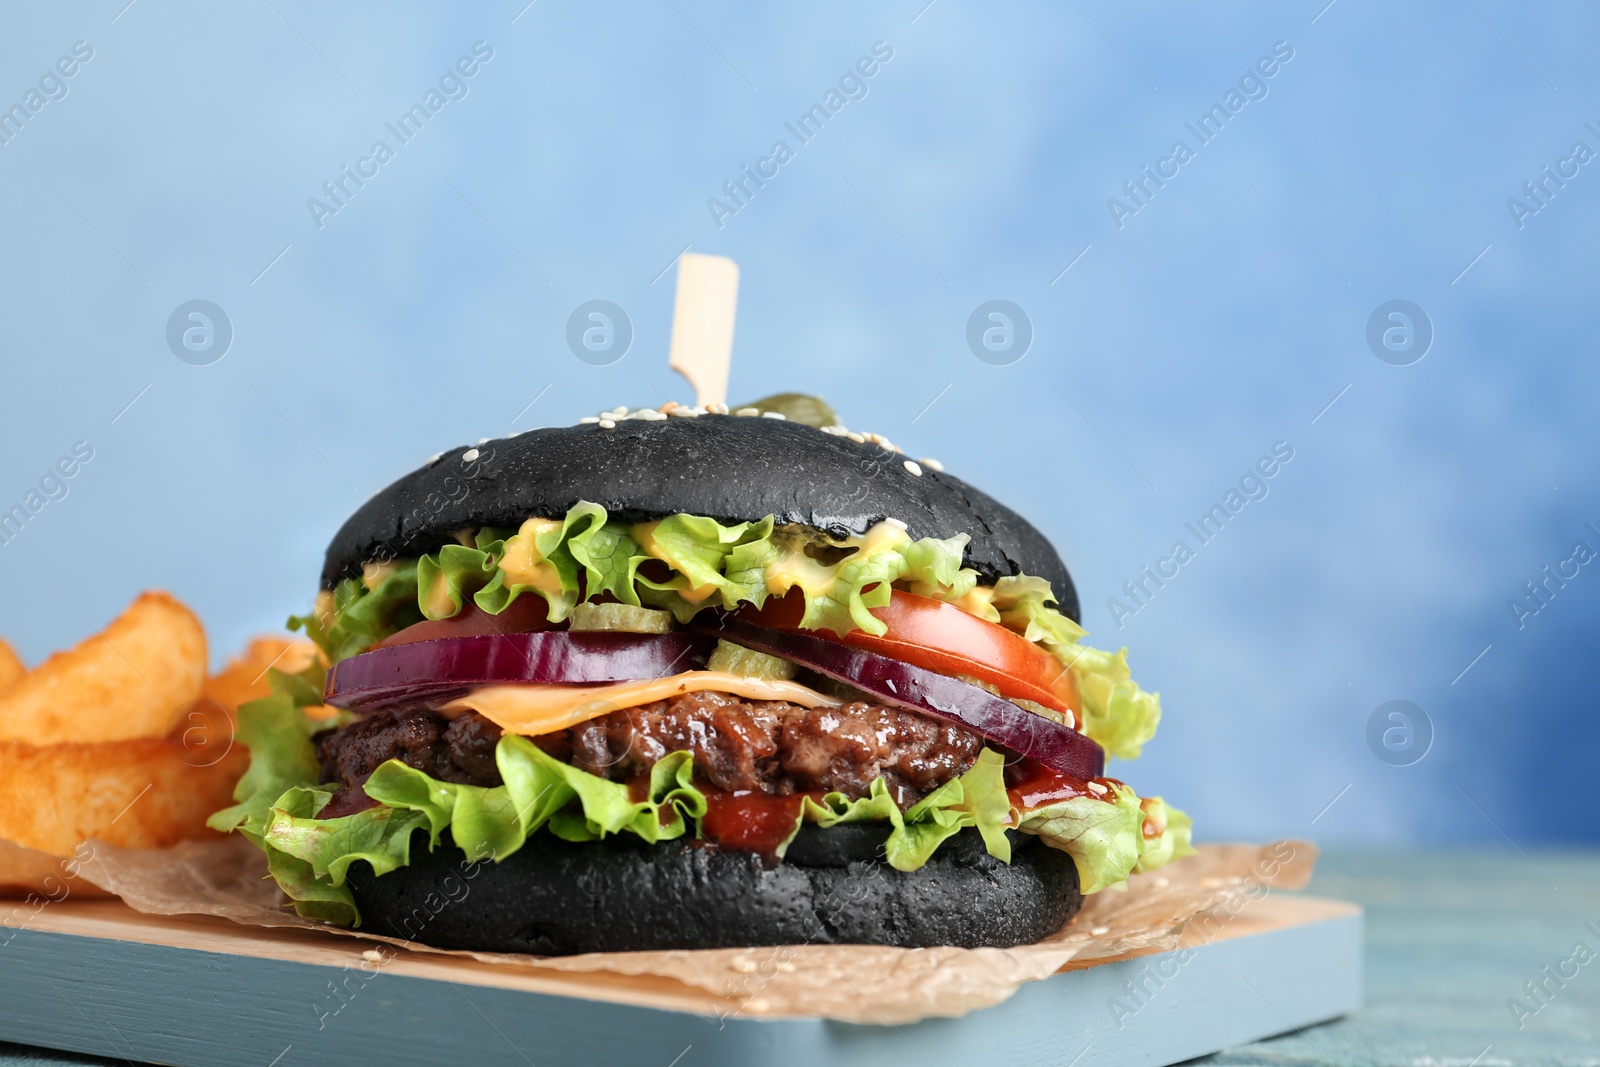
(526, 615)
(941, 637)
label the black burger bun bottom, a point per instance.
(557, 898)
(729, 468)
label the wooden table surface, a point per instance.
(1451, 938)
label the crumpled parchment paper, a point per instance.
(853, 983)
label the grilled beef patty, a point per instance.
(769, 747)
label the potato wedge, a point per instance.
(132, 680)
(11, 666)
(245, 677)
(145, 793)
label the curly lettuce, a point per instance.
(1167, 835)
(686, 563)
(360, 612)
(1117, 714)
(279, 797)
(1112, 838)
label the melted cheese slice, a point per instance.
(534, 709)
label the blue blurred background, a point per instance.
(1178, 335)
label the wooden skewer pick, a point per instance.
(702, 324)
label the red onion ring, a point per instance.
(1026, 733)
(450, 666)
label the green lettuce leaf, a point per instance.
(381, 835)
(933, 568)
(746, 570)
(1172, 842)
(610, 558)
(448, 577)
(977, 798)
(697, 551)
(309, 857)
(1102, 837)
(314, 897)
(1117, 714)
(361, 616)
(864, 580)
(1105, 837)
(539, 557)
(279, 785)
(835, 809)
(304, 688)
(492, 823)
(278, 734)
(486, 822)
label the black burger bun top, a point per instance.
(729, 468)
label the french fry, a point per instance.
(133, 680)
(11, 666)
(245, 677)
(147, 793)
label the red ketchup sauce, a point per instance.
(346, 800)
(1033, 785)
(750, 821)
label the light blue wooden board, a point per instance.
(1450, 937)
(142, 1002)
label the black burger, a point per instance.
(685, 678)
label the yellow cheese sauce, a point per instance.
(644, 534)
(525, 565)
(794, 567)
(437, 602)
(374, 573)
